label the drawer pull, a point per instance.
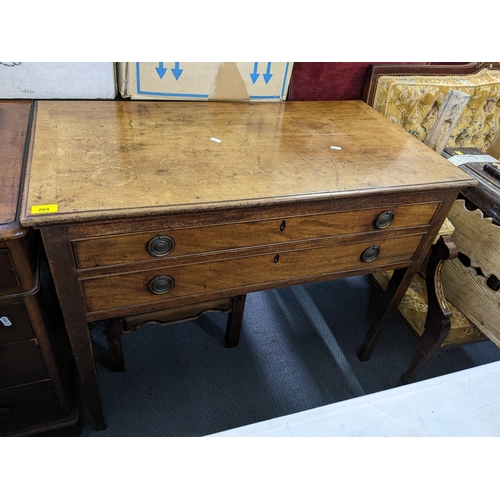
(161, 284)
(384, 219)
(370, 254)
(283, 225)
(159, 246)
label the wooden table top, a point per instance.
(14, 120)
(101, 159)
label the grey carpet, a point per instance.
(297, 351)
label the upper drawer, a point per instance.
(8, 277)
(18, 264)
(118, 249)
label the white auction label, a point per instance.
(5, 321)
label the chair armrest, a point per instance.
(438, 313)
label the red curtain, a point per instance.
(326, 81)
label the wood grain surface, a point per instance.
(212, 238)
(14, 122)
(95, 159)
(477, 238)
(227, 274)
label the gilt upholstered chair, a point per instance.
(411, 97)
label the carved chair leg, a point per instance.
(234, 321)
(113, 331)
(437, 324)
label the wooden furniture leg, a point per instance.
(437, 325)
(113, 330)
(59, 255)
(396, 289)
(234, 321)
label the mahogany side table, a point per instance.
(239, 197)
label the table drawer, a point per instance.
(118, 249)
(21, 363)
(16, 325)
(231, 274)
(29, 404)
(9, 282)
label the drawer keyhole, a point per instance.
(161, 284)
(283, 225)
(370, 254)
(161, 245)
(384, 219)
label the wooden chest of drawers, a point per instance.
(37, 378)
(147, 206)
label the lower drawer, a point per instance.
(16, 325)
(121, 290)
(29, 404)
(21, 363)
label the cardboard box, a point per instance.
(28, 80)
(205, 81)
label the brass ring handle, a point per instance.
(370, 254)
(161, 284)
(160, 245)
(384, 219)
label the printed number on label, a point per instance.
(43, 209)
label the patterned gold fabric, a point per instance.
(446, 228)
(414, 309)
(413, 103)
